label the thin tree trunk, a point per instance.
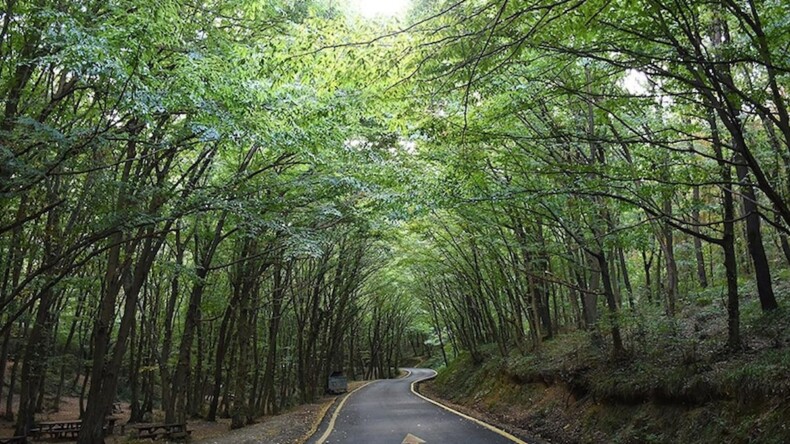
(37, 349)
(617, 341)
(668, 245)
(701, 275)
(648, 285)
(728, 239)
(754, 239)
(626, 279)
(219, 359)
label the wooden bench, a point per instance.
(14, 440)
(168, 431)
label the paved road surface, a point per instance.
(387, 412)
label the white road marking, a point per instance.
(494, 429)
(411, 439)
(414, 439)
(331, 425)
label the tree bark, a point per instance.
(754, 239)
(698, 254)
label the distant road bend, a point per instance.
(388, 412)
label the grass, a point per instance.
(435, 362)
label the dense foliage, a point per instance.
(183, 220)
(209, 207)
(600, 156)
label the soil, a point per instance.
(504, 422)
(293, 426)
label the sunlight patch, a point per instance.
(380, 8)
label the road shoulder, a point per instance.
(423, 388)
(294, 426)
(325, 423)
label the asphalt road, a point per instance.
(387, 412)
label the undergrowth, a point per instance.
(678, 383)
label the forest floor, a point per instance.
(677, 384)
(293, 426)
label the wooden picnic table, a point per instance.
(169, 431)
(60, 425)
(66, 429)
(57, 429)
(110, 426)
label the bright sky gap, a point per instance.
(380, 8)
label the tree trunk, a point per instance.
(617, 341)
(668, 246)
(648, 285)
(728, 239)
(754, 239)
(280, 278)
(219, 359)
(37, 351)
(626, 280)
(701, 275)
(202, 263)
(165, 372)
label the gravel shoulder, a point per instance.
(294, 426)
(290, 427)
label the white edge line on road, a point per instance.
(335, 414)
(494, 429)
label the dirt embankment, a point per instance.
(573, 392)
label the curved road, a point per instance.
(387, 412)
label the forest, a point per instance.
(208, 207)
